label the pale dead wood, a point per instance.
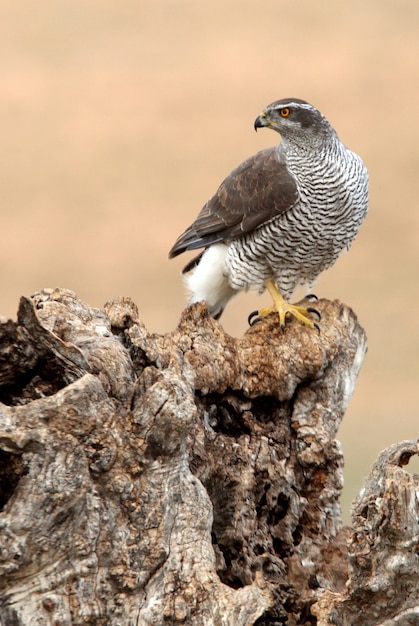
(190, 478)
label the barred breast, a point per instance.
(295, 247)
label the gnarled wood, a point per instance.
(186, 478)
(383, 548)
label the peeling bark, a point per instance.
(190, 478)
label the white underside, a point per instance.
(209, 280)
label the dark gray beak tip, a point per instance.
(258, 123)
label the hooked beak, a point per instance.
(261, 121)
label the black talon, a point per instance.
(311, 296)
(317, 327)
(311, 309)
(251, 316)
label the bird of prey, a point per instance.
(280, 218)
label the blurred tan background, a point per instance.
(119, 120)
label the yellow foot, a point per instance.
(282, 307)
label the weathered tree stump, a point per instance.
(191, 478)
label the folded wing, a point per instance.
(257, 191)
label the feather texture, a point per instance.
(284, 214)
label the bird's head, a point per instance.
(292, 117)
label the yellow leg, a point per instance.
(282, 307)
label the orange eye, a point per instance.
(285, 112)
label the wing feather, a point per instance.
(257, 191)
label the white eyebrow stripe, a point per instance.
(298, 105)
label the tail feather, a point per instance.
(192, 263)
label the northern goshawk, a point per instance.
(280, 218)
